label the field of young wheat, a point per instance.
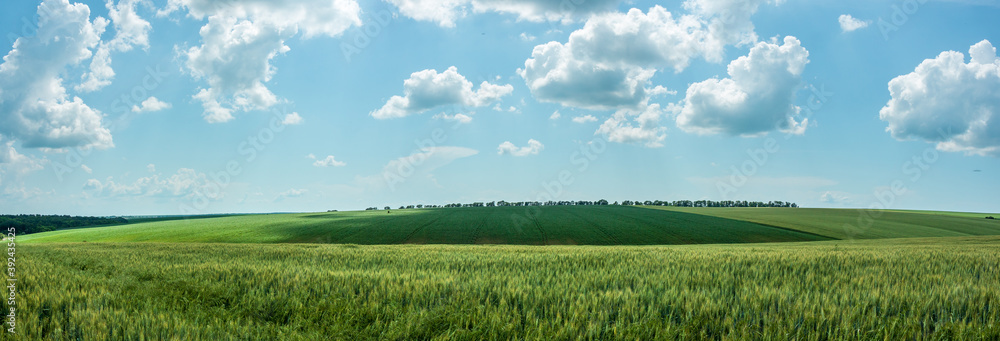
(925, 289)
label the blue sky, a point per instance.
(192, 106)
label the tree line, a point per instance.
(34, 223)
(676, 203)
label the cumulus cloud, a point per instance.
(292, 119)
(130, 30)
(640, 127)
(419, 165)
(240, 40)
(757, 97)
(14, 164)
(329, 161)
(609, 62)
(457, 118)
(185, 183)
(291, 193)
(834, 197)
(151, 104)
(446, 12)
(555, 115)
(584, 119)
(950, 102)
(34, 105)
(428, 89)
(849, 23)
(533, 147)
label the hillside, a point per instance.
(857, 224)
(584, 225)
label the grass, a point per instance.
(856, 224)
(928, 289)
(551, 225)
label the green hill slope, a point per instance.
(584, 225)
(856, 224)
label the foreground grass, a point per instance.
(889, 289)
(550, 225)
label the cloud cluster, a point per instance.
(329, 161)
(428, 89)
(185, 183)
(130, 30)
(446, 12)
(608, 63)
(849, 23)
(34, 105)
(757, 97)
(640, 127)
(16, 164)
(292, 119)
(457, 118)
(151, 104)
(291, 193)
(508, 148)
(950, 102)
(240, 40)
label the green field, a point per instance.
(857, 224)
(549, 225)
(308, 276)
(942, 288)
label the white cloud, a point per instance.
(329, 161)
(311, 156)
(428, 89)
(16, 164)
(527, 37)
(34, 105)
(291, 193)
(757, 97)
(849, 23)
(151, 104)
(415, 167)
(151, 168)
(636, 127)
(130, 30)
(532, 148)
(833, 197)
(185, 183)
(86, 169)
(457, 118)
(240, 40)
(950, 102)
(584, 119)
(555, 115)
(608, 63)
(292, 119)
(446, 12)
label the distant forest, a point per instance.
(34, 223)
(677, 203)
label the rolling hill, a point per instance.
(857, 224)
(546, 225)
